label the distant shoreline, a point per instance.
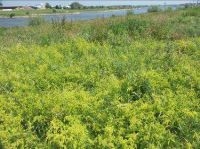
(35, 15)
(58, 13)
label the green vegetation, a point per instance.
(22, 12)
(48, 6)
(35, 21)
(35, 12)
(12, 15)
(123, 82)
(129, 12)
(154, 9)
(74, 7)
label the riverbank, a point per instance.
(76, 16)
(32, 12)
(7, 15)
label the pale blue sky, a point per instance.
(93, 2)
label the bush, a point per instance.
(12, 15)
(58, 7)
(27, 13)
(35, 21)
(129, 12)
(154, 9)
(54, 10)
(48, 6)
(192, 12)
(169, 9)
(134, 27)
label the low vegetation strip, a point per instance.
(40, 9)
(122, 82)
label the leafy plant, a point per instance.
(12, 15)
(154, 9)
(35, 21)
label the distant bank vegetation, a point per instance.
(48, 9)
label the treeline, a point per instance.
(77, 5)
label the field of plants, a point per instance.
(122, 82)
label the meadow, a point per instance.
(122, 82)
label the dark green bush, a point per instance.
(12, 15)
(192, 12)
(54, 10)
(134, 27)
(154, 9)
(35, 21)
(129, 12)
(27, 13)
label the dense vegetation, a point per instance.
(123, 82)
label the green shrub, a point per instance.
(169, 9)
(12, 15)
(129, 12)
(154, 9)
(54, 10)
(27, 13)
(192, 12)
(35, 21)
(2, 30)
(134, 27)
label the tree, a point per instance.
(58, 7)
(76, 5)
(1, 4)
(48, 6)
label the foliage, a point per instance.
(54, 10)
(12, 15)
(27, 13)
(154, 9)
(122, 82)
(58, 7)
(129, 12)
(168, 9)
(48, 6)
(35, 21)
(76, 5)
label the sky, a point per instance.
(93, 2)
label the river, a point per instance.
(86, 15)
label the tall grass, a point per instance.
(36, 21)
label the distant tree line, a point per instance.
(77, 5)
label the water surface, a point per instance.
(86, 15)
